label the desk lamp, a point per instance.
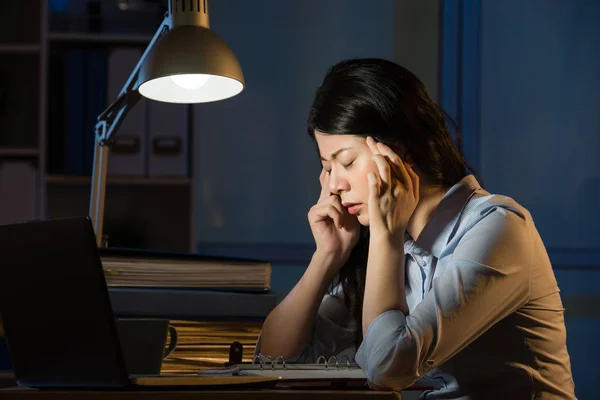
(185, 62)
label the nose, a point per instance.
(337, 183)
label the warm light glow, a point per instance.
(190, 81)
(215, 88)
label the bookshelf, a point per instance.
(103, 39)
(147, 209)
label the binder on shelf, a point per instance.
(127, 154)
(57, 79)
(19, 99)
(168, 134)
(74, 112)
(95, 102)
(19, 191)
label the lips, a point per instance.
(352, 208)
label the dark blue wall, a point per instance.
(521, 77)
(257, 170)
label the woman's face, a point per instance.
(348, 160)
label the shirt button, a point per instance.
(421, 262)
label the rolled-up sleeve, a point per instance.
(486, 278)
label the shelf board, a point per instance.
(120, 180)
(18, 152)
(98, 38)
(19, 48)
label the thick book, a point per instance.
(191, 303)
(151, 268)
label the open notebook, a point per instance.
(293, 372)
(337, 374)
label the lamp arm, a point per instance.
(108, 123)
(129, 95)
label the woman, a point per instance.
(431, 277)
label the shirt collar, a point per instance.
(437, 232)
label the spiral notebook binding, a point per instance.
(327, 362)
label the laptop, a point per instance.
(57, 317)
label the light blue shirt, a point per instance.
(485, 315)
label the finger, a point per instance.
(324, 180)
(399, 166)
(415, 181)
(404, 176)
(345, 215)
(384, 170)
(373, 187)
(393, 158)
(322, 176)
(372, 145)
(335, 201)
(374, 216)
(322, 212)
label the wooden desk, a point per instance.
(7, 379)
(260, 394)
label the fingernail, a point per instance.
(370, 140)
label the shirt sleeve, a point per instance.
(486, 279)
(332, 334)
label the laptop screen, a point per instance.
(55, 306)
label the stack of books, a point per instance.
(211, 301)
(206, 344)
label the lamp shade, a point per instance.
(190, 64)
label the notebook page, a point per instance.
(306, 374)
(290, 372)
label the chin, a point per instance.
(363, 219)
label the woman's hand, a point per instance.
(336, 232)
(393, 193)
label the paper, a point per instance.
(292, 372)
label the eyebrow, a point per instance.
(335, 153)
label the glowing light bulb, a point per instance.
(190, 81)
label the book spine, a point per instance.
(174, 303)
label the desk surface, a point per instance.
(16, 393)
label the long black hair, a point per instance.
(379, 98)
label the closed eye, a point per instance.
(349, 164)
